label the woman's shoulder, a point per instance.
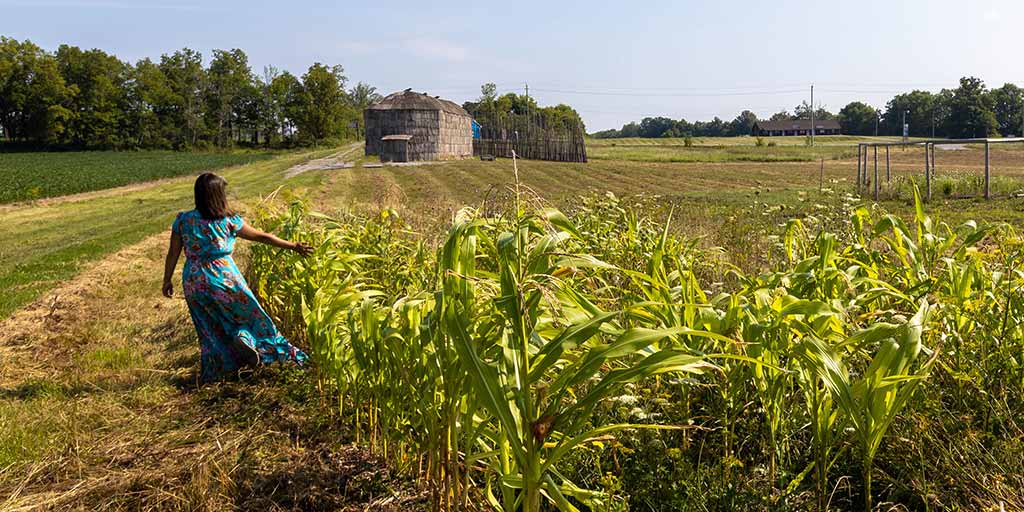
(234, 222)
(182, 218)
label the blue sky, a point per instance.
(614, 61)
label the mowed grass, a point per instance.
(734, 153)
(27, 176)
(44, 244)
(821, 140)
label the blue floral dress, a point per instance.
(234, 330)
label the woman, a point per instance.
(234, 330)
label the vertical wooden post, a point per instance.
(888, 175)
(927, 175)
(933, 160)
(876, 173)
(987, 173)
(821, 176)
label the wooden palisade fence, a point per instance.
(531, 137)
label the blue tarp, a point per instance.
(476, 129)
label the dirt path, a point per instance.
(341, 160)
(100, 412)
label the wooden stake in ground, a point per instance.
(927, 175)
(987, 173)
(821, 176)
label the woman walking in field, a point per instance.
(234, 330)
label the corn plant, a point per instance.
(871, 403)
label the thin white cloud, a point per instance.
(432, 48)
(106, 4)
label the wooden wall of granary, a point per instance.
(423, 125)
(436, 134)
(456, 137)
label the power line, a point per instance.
(675, 95)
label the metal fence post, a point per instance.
(876, 172)
(858, 167)
(987, 173)
(888, 174)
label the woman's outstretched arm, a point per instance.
(254, 235)
(173, 252)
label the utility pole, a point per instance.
(812, 115)
(906, 130)
(527, 116)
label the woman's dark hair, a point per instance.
(211, 196)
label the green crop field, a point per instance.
(26, 176)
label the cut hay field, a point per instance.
(27, 176)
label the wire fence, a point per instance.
(876, 175)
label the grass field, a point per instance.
(98, 372)
(44, 244)
(26, 176)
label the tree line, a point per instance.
(969, 110)
(91, 99)
(490, 108)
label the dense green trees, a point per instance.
(91, 99)
(491, 109)
(1006, 105)
(858, 118)
(970, 110)
(33, 94)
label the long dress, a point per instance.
(234, 330)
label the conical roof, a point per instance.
(411, 100)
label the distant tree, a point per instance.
(1006, 104)
(684, 127)
(630, 130)
(187, 81)
(653, 127)
(781, 116)
(98, 97)
(228, 79)
(923, 111)
(488, 92)
(971, 111)
(153, 106)
(362, 96)
(323, 103)
(286, 92)
(715, 128)
(562, 115)
(33, 93)
(803, 111)
(743, 124)
(858, 118)
(610, 133)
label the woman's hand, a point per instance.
(302, 248)
(168, 289)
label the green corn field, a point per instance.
(504, 365)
